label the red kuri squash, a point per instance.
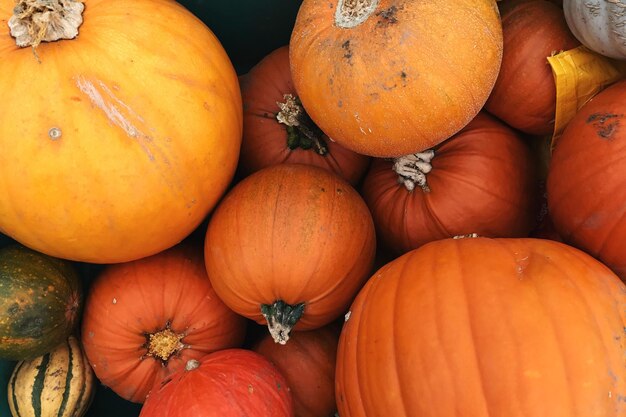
(145, 319)
(276, 129)
(486, 328)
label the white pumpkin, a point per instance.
(600, 25)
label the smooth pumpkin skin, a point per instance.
(587, 179)
(524, 95)
(290, 232)
(308, 364)
(150, 118)
(407, 78)
(264, 140)
(482, 181)
(129, 301)
(486, 327)
(228, 383)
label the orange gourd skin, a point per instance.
(506, 328)
(150, 119)
(525, 93)
(129, 301)
(308, 363)
(482, 181)
(228, 383)
(586, 179)
(265, 139)
(407, 78)
(290, 232)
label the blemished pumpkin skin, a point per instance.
(292, 240)
(506, 328)
(228, 383)
(144, 319)
(482, 181)
(408, 76)
(265, 138)
(586, 179)
(308, 364)
(116, 144)
(524, 95)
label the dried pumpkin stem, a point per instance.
(351, 13)
(281, 317)
(36, 21)
(164, 344)
(412, 169)
(301, 131)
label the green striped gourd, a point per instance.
(40, 301)
(57, 384)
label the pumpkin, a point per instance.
(248, 29)
(116, 144)
(479, 181)
(308, 364)
(145, 319)
(524, 95)
(228, 383)
(586, 179)
(57, 384)
(276, 129)
(6, 369)
(599, 25)
(290, 246)
(40, 302)
(492, 327)
(392, 77)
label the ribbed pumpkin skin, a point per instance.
(130, 301)
(525, 93)
(587, 179)
(290, 232)
(410, 76)
(482, 181)
(40, 302)
(57, 384)
(308, 364)
(228, 383)
(150, 118)
(486, 328)
(265, 139)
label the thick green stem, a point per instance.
(281, 317)
(301, 131)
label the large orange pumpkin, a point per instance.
(290, 246)
(486, 328)
(394, 77)
(145, 319)
(115, 144)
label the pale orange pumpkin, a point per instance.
(117, 143)
(393, 77)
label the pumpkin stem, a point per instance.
(412, 169)
(281, 317)
(467, 236)
(351, 13)
(164, 344)
(192, 364)
(301, 131)
(36, 21)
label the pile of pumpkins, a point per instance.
(310, 208)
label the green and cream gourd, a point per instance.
(40, 302)
(57, 384)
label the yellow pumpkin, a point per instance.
(117, 141)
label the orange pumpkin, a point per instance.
(308, 364)
(117, 143)
(392, 77)
(481, 181)
(276, 129)
(290, 246)
(525, 93)
(145, 319)
(486, 327)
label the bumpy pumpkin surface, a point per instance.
(393, 77)
(117, 143)
(486, 327)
